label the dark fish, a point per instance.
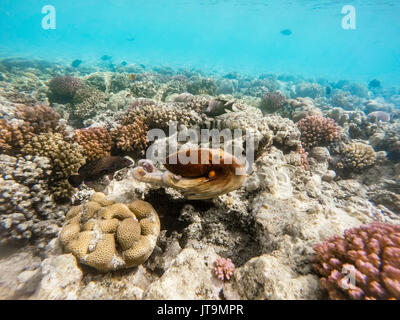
(124, 63)
(286, 32)
(374, 84)
(130, 39)
(328, 90)
(105, 57)
(76, 63)
(143, 66)
(95, 169)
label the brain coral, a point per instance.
(64, 88)
(65, 158)
(357, 155)
(368, 256)
(317, 131)
(96, 142)
(109, 236)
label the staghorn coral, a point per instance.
(109, 236)
(64, 88)
(317, 131)
(96, 142)
(369, 255)
(27, 210)
(224, 268)
(272, 102)
(65, 158)
(356, 156)
(131, 137)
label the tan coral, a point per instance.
(357, 155)
(110, 236)
(96, 142)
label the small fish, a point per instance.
(130, 39)
(105, 57)
(374, 84)
(380, 116)
(328, 90)
(143, 66)
(124, 63)
(76, 63)
(132, 76)
(286, 32)
(96, 169)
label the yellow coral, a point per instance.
(110, 236)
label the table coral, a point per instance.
(368, 256)
(109, 236)
(317, 131)
(96, 142)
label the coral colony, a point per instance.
(295, 180)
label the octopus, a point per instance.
(197, 173)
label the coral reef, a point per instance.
(96, 142)
(109, 236)
(88, 101)
(317, 131)
(199, 86)
(363, 264)
(65, 159)
(356, 156)
(272, 102)
(312, 90)
(131, 137)
(224, 268)
(63, 89)
(27, 210)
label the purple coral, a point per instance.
(364, 264)
(317, 130)
(224, 268)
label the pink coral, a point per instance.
(224, 268)
(364, 264)
(317, 130)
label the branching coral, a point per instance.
(88, 101)
(312, 90)
(161, 115)
(27, 210)
(202, 86)
(65, 158)
(29, 122)
(131, 137)
(364, 264)
(224, 268)
(109, 236)
(317, 131)
(96, 142)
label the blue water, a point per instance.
(215, 35)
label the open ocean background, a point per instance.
(214, 35)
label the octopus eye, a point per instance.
(211, 174)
